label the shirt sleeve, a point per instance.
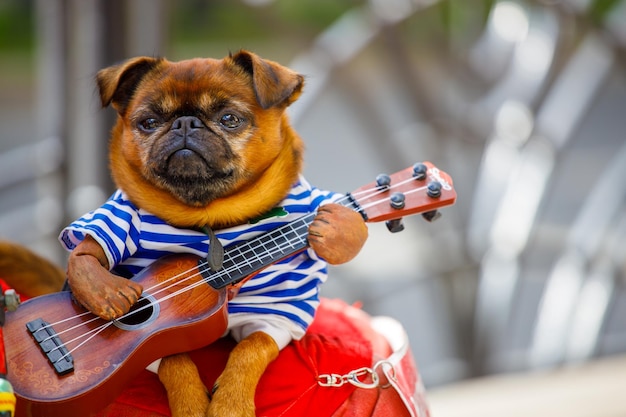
(115, 226)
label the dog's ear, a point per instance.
(118, 83)
(273, 84)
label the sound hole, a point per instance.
(141, 314)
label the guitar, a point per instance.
(65, 361)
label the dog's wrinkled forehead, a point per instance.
(186, 86)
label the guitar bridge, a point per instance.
(51, 345)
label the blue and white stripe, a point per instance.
(133, 238)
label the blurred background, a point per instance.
(516, 291)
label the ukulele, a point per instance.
(65, 361)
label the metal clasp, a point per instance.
(355, 378)
(330, 380)
(392, 371)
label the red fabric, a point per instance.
(339, 340)
(333, 344)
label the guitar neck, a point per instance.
(246, 258)
(422, 188)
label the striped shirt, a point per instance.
(280, 300)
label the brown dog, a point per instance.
(198, 145)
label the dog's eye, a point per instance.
(149, 125)
(231, 121)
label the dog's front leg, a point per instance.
(186, 394)
(234, 390)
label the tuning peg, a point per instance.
(383, 181)
(395, 226)
(434, 189)
(10, 300)
(396, 200)
(431, 216)
(419, 171)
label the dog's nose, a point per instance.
(187, 123)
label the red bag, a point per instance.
(347, 365)
(393, 387)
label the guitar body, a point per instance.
(107, 360)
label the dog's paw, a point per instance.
(189, 404)
(234, 390)
(186, 394)
(230, 402)
(188, 401)
(337, 233)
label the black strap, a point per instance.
(215, 257)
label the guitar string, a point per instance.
(151, 304)
(95, 331)
(178, 292)
(203, 282)
(186, 288)
(373, 192)
(174, 294)
(303, 219)
(278, 249)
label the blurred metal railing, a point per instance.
(65, 165)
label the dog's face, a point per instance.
(200, 130)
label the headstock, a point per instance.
(422, 188)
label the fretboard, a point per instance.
(246, 258)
